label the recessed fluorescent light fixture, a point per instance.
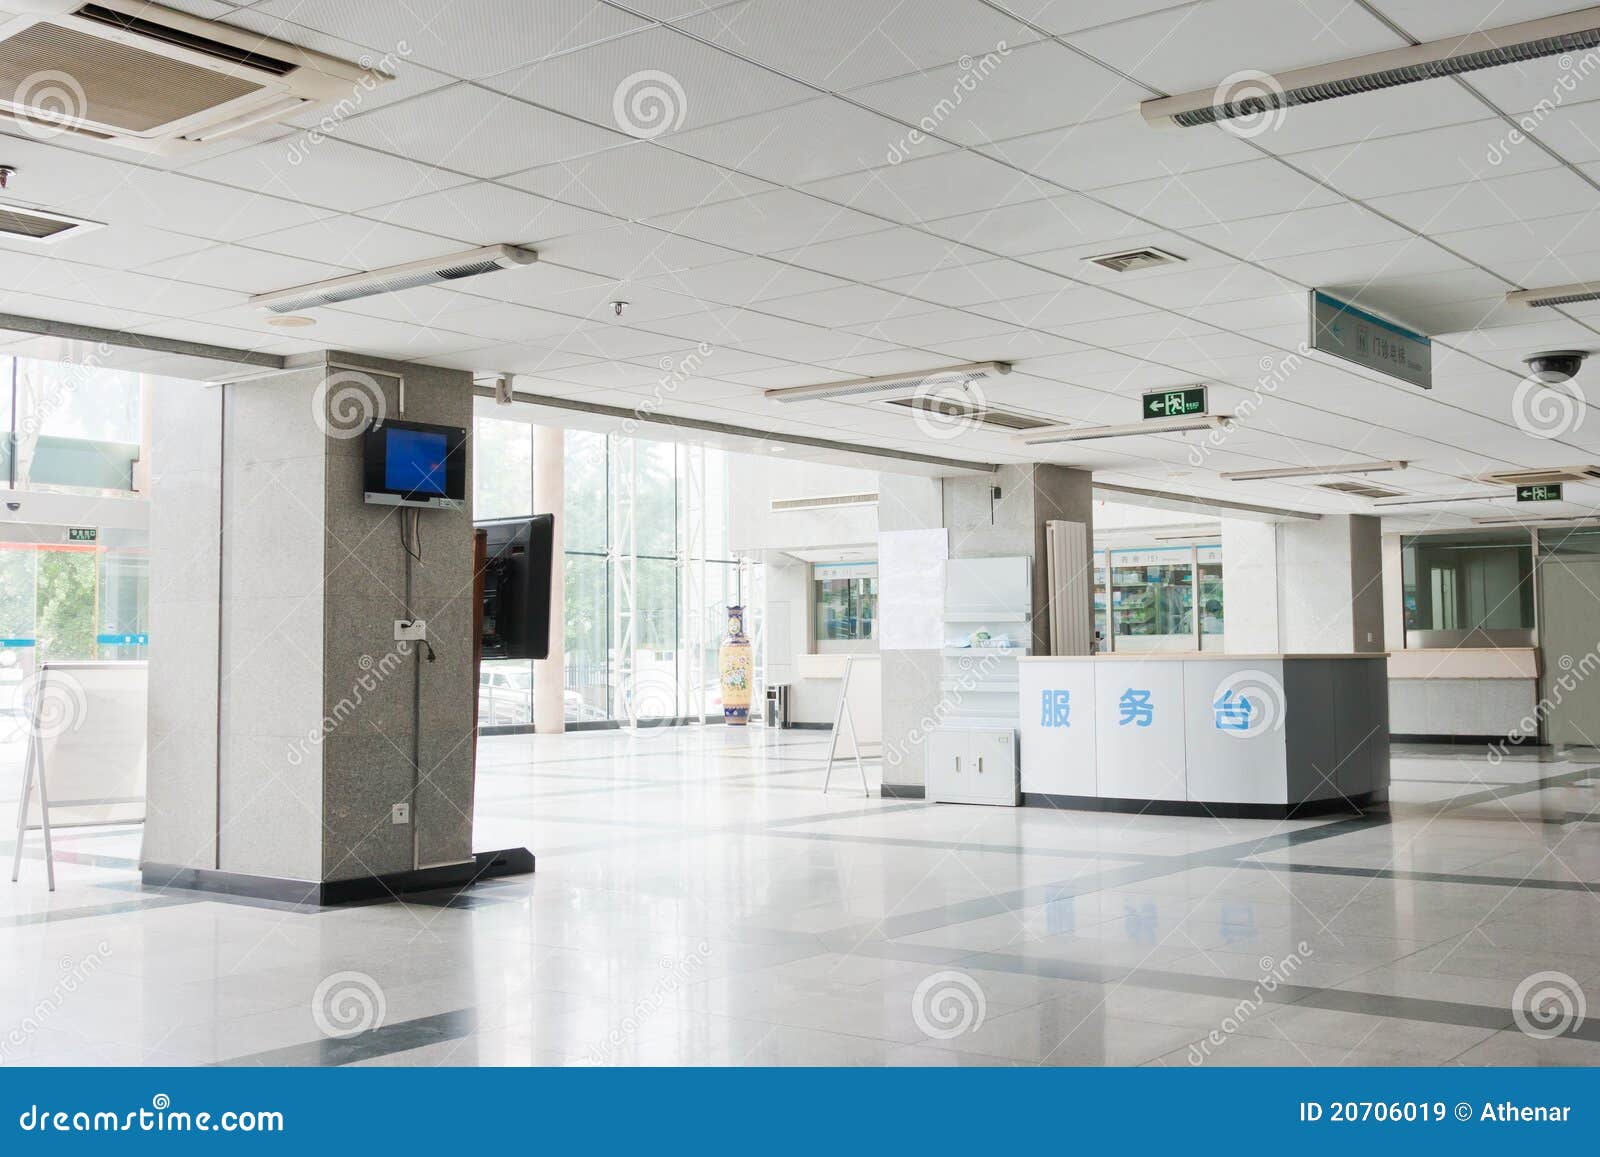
(1311, 471)
(1514, 521)
(1437, 499)
(1555, 295)
(960, 375)
(1151, 426)
(1209, 536)
(1528, 40)
(450, 267)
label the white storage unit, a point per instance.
(972, 752)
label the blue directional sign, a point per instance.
(1341, 330)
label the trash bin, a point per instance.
(778, 705)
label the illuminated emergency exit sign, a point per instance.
(82, 534)
(1175, 403)
(1545, 492)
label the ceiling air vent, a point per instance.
(154, 79)
(956, 410)
(1132, 260)
(1543, 477)
(824, 502)
(450, 267)
(19, 224)
(1360, 489)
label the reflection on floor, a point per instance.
(698, 901)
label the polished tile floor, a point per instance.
(699, 901)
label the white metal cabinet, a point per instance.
(972, 765)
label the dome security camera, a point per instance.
(1555, 366)
(13, 506)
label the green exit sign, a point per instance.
(1175, 403)
(82, 534)
(1549, 492)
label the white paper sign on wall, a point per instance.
(911, 589)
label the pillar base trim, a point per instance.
(482, 866)
(903, 791)
(1183, 807)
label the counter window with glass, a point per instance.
(1166, 599)
(1468, 589)
(845, 607)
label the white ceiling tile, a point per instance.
(879, 256)
(805, 142)
(637, 181)
(473, 130)
(921, 329)
(838, 44)
(1024, 90)
(1430, 20)
(850, 305)
(631, 252)
(1016, 346)
(745, 280)
(1063, 16)
(1447, 158)
(354, 241)
(330, 174)
(117, 247)
(512, 323)
(489, 214)
(1066, 219)
(1198, 45)
(939, 186)
(245, 270)
(1572, 131)
(651, 84)
(1543, 84)
(1364, 117)
(1181, 200)
(182, 204)
(466, 38)
(1067, 306)
(768, 222)
(1499, 201)
(1305, 231)
(1119, 149)
(976, 284)
(1363, 262)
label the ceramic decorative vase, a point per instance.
(734, 660)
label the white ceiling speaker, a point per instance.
(1132, 429)
(1529, 40)
(450, 267)
(961, 375)
(1555, 295)
(1311, 471)
(153, 79)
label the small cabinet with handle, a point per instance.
(972, 765)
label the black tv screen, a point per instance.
(414, 464)
(516, 587)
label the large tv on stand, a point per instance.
(518, 571)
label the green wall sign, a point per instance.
(1546, 492)
(1175, 403)
(82, 534)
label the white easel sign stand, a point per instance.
(842, 719)
(86, 752)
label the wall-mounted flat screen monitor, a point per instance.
(517, 575)
(413, 464)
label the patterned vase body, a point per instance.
(734, 661)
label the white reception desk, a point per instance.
(1244, 735)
